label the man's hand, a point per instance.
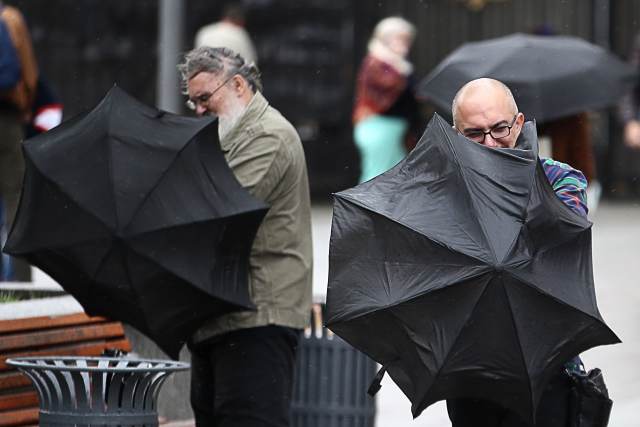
(632, 134)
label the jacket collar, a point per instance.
(247, 122)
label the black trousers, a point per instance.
(244, 378)
(553, 410)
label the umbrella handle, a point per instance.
(317, 319)
(316, 327)
(375, 385)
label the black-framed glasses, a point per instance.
(496, 132)
(203, 98)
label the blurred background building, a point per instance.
(308, 53)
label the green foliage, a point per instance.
(8, 296)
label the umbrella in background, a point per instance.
(550, 76)
(135, 212)
(462, 273)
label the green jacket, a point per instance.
(266, 156)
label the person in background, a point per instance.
(229, 32)
(571, 144)
(385, 106)
(242, 364)
(630, 105)
(571, 141)
(15, 111)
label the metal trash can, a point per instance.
(97, 391)
(331, 382)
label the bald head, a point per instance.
(484, 105)
(483, 90)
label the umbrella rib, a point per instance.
(524, 363)
(62, 191)
(133, 288)
(556, 201)
(110, 169)
(464, 176)
(403, 224)
(411, 297)
(445, 357)
(523, 212)
(146, 257)
(102, 261)
(197, 222)
(542, 291)
(156, 184)
(577, 333)
(62, 245)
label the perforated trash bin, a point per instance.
(97, 391)
(331, 381)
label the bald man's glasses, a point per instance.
(497, 132)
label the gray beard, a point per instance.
(226, 122)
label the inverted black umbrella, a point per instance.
(135, 212)
(463, 274)
(550, 76)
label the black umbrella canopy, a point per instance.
(550, 76)
(135, 212)
(462, 273)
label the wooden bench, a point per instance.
(70, 335)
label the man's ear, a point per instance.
(240, 84)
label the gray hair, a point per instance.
(392, 25)
(478, 82)
(218, 60)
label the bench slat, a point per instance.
(27, 399)
(14, 379)
(19, 417)
(46, 322)
(12, 342)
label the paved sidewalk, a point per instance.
(186, 423)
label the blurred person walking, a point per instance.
(571, 141)
(243, 363)
(16, 98)
(571, 144)
(229, 32)
(629, 110)
(385, 105)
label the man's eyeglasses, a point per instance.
(203, 98)
(496, 132)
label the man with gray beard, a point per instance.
(243, 363)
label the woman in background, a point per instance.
(385, 104)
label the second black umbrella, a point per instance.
(550, 76)
(135, 212)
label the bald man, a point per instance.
(485, 112)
